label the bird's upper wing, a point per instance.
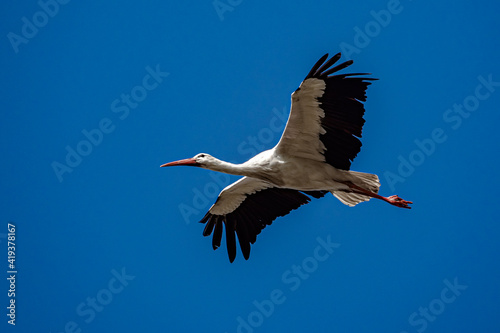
(326, 116)
(246, 207)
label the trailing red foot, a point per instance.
(397, 201)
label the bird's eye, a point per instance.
(201, 155)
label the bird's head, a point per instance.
(200, 160)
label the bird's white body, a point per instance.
(290, 172)
(312, 158)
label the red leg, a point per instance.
(393, 199)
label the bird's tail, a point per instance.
(367, 181)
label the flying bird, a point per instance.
(312, 158)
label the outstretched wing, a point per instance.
(326, 117)
(246, 207)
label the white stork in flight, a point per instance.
(312, 158)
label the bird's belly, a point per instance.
(314, 176)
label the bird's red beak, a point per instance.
(187, 161)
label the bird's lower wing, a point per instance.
(246, 207)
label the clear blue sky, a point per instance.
(95, 96)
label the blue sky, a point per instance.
(95, 96)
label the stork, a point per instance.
(312, 158)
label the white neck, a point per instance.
(230, 168)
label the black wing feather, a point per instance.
(337, 68)
(209, 226)
(313, 70)
(244, 240)
(231, 239)
(329, 64)
(216, 239)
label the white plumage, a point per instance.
(312, 158)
